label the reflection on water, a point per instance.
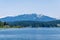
(30, 34)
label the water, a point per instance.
(30, 34)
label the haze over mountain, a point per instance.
(28, 17)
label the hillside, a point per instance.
(36, 23)
(29, 20)
(28, 17)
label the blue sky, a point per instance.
(17, 7)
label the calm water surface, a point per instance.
(30, 34)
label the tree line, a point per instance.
(20, 24)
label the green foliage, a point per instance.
(20, 24)
(36, 23)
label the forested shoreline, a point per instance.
(20, 24)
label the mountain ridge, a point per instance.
(27, 17)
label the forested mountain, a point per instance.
(29, 20)
(28, 17)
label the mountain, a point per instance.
(28, 17)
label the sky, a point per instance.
(17, 7)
